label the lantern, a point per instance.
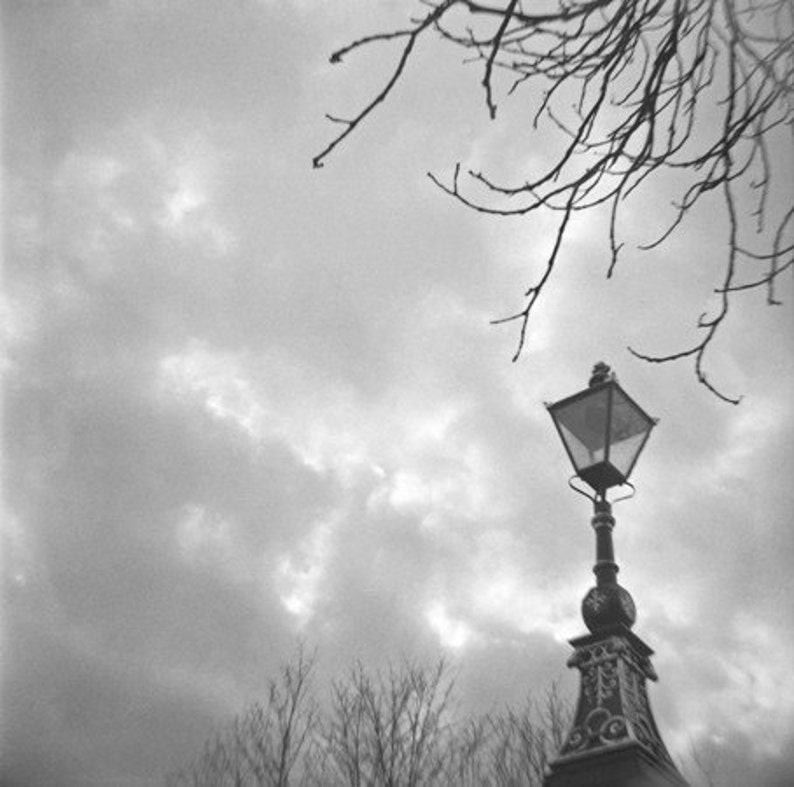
(603, 430)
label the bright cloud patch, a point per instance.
(219, 384)
(300, 573)
(452, 633)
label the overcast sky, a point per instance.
(247, 402)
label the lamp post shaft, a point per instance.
(605, 568)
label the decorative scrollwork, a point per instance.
(596, 720)
(577, 739)
(599, 729)
(613, 705)
(614, 730)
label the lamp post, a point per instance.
(613, 740)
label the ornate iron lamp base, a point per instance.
(613, 741)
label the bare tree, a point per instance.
(527, 739)
(262, 746)
(390, 728)
(643, 91)
(467, 761)
(701, 767)
(396, 728)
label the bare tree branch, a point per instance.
(336, 57)
(698, 93)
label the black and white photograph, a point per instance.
(397, 393)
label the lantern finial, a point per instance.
(601, 373)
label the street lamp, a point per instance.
(614, 739)
(603, 430)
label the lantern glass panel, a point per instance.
(583, 426)
(629, 429)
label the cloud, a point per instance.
(247, 402)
